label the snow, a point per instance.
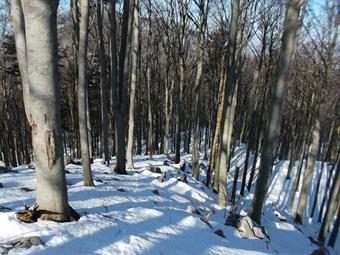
(126, 215)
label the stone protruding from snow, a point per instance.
(2, 164)
(280, 216)
(220, 233)
(320, 251)
(162, 177)
(3, 168)
(156, 192)
(21, 242)
(193, 210)
(182, 165)
(245, 226)
(154, 169)
(183, 179)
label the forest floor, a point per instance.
(137, 214)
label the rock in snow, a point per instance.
(245, 226)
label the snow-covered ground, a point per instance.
(136, 214)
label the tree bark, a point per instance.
(195, 154)
(18, 23)
(82, 92)
(103, 85)
(228, 98)
(328, 183)
(335, 230)
(214, 149)
(133, 82)
(113, 68)
(317, 189)
(151, 146)
(279, 90)
(168, 109)
(308, 173)
(44, 99)
(121, 89)
(332, 206)
(182, 67)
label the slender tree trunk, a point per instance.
(233, 193)
(292, 156)
(182, 67)
(328, 183)
(121, 100)
(82, 94)
(335, 230)
(245, 170)
(168, 88)
(103, 85)
(206, 140)
(195, 154)
(113, 69)
(332, 206)
(88, 122)
(179, 111)
(296, 182)
(308, 173)
(150, 122)
(317, 189)
(133, 82)
(258, 141)
(73, 86)
(21, 51)
(228, 96)
(279, 90)
(214, 148)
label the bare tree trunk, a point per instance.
(179, 112)
(103, 84)
(150, 122)
(323, 157)
(21, 51)
(233, 193)
(279, 90)
(296, 182)
(258, 140)
(206, 140)
(228, 96)
(318, 188)
(213, 154)
(88, 122)
(328, 183)
(308, 173)
(73, 86)
(195, 154)
(168, 98)
(292, 155)
(82, 94)
(182, 66)
(332, 206)
(113, 67)
(133, 82)
(121, 89)
(40, 42)
(245, 170)
(335, 230)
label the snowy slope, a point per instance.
(136, 214)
